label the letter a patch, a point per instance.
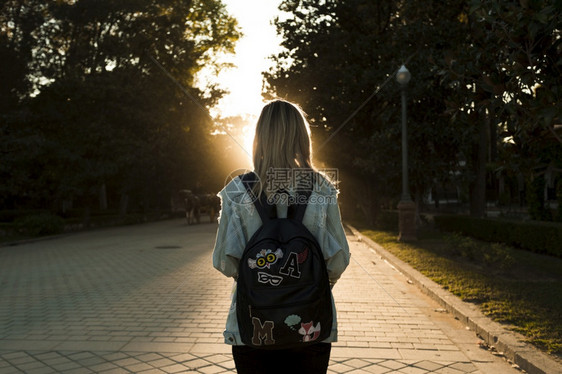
(291, 266)
(262, 332)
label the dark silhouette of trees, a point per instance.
(89, 118)
(483, 100)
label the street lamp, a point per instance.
(403, 75)
(406, 207)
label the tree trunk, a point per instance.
(478, 185)
(124, 204)
(87, 215)
(103, 197)
(419, 205)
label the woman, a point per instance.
(282, 161)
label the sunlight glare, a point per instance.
(259, 41)
(239, 109)
(248, 132)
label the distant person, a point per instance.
(282, 154)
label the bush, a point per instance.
(540, 237)
(500, 255)
(40, 224)
(559, 200)
(535, 200)
(387, 220)
(13, 215)
(463, 246)
(494, 255)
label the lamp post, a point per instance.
(406, 207)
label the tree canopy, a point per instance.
(86, 107)
(484, 94)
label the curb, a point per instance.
(508, 343)
(15, 243)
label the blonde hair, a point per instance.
(282, 141)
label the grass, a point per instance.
(520, 289)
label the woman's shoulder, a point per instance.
(324, 185)
(234, 191)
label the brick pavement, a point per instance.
(145, 299)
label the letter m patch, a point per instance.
(262, 332)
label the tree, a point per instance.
(485, 73)
(102, 113)
(508, 73)
(19, 20)
(337, 54)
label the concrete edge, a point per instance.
(14, 243)
(507, 342)
(30, 240)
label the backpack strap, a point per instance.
(268, 211)
(296, 211)
(303, 193)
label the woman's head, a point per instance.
(282, 139)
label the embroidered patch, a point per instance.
(291, 266)
(309, 331)
(265, 278)
(292, 321)
(263, 333)
(265, 258)
(303, 256)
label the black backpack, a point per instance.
(283, 290)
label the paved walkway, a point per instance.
(145, 299)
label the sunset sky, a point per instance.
(259, 41)
(244, 81)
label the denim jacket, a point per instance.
(239, 220)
